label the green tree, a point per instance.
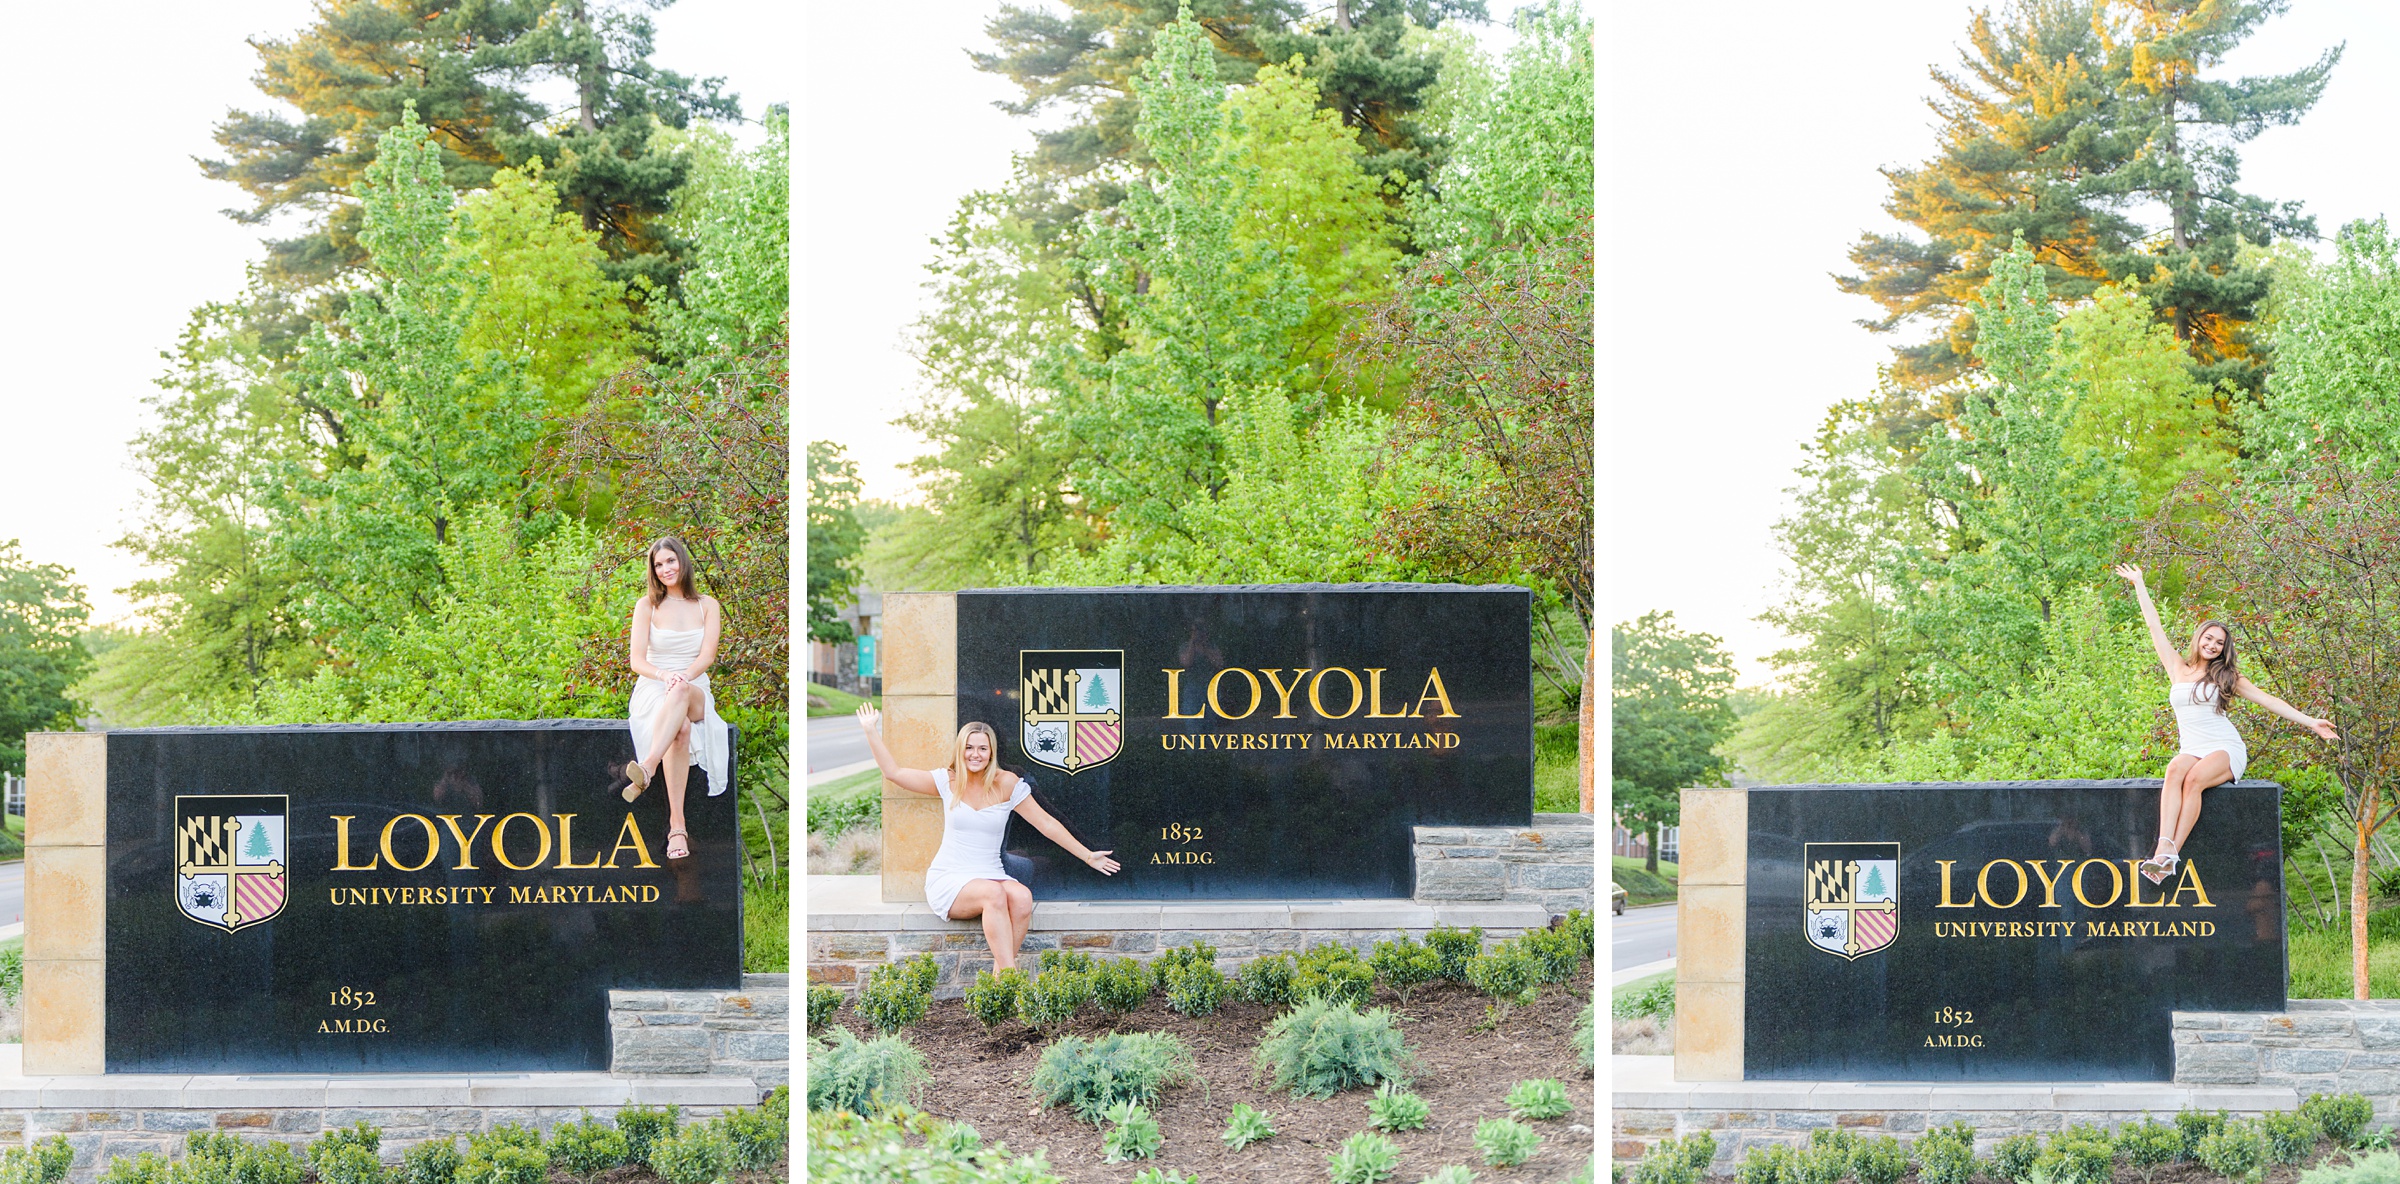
(1668, 715)
(2336, 331)
(259, 847)
(2074, 124)
(1097, 697)
(543, 301)
(1520, 165)
(42, 614)
(833, 539)
(2136, 399)
(1874, 884)
(734, 211)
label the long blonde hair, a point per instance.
(2220, 672)
(958, 761)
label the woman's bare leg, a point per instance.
(2212, 770)
(984, 898)
(678, 770)
(2170, 801)
(1020, 914)
(663, 723)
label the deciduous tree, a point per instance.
(1668, 715)
(42, 613)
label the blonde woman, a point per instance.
(965, 880)
(674, 719)
(2209, 750)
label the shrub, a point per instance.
(896, 994)
(1319, 1049)
(1450, 1174)
(587, 1146)
(1334, 973)
(2290, 1137)
(955, 1139)
(1546, 1098)
(1821, 1163)
(348, 1163)
(1121, 985)
(1586, 1044)
(1246, 1126)
(1505, 1142)
(697, 1154)
(1196, 988)
(1881, 1161)
(823, 1002)
(1655, 1000)
(146, 1168)
(2080, 1156)
(1582, 926)
(2197, 1125)
(507, 1134)
(1454, 948)
(1136, 1135)
(433, 1161)
(1078, 961)
(845, 1148)
(844, 1073)
(509, 1163)
(992, 998)
(1676, 1161)
(1945, 1156)
(2014, 1156)
(1156, 1175)
(886, 1064)
(2374, 1167)
(1762, 1165)
(1052, 997)
(1506, 973)
(2343, 1117)
(1195, 953)
(756, 1137)
(1364, 1158)
(360, 1134)
(1403, 965)
(2236, 1151)
(1266, 980)
(1392, 1109)
(2149, 1144)
(1091, 1075)
(1554, 955)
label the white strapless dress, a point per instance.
(712, 739)
(2201, 729)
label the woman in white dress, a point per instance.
(965, 879)
(674, 719)
(2210, 751)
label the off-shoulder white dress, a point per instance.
(971, 841)
(712, 739)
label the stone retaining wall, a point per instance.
(2332, 1046)
(744, 1033)
(1549, 864)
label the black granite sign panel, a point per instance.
(2000, 932)
(402, 897)
(1251, 742)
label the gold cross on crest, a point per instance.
(200, 850)
(1833, 888)
(1042, 686)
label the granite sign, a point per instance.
(1252, 742)
(1999, 931)
(401, 897)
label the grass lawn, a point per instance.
(1640, 886)
(1640, 985)
(834, 702)
(1556, 749)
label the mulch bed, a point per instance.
(1464, 1073)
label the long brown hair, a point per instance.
(2221, 673)
(683, 564)
(958, 762)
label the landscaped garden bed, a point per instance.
(1470, 1061)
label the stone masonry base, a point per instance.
(744, 1033)
(1548, 864)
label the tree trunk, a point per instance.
(1650, 864)
(1588, 774)
(2358, 899)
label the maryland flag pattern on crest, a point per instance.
(1853, 905)
(230, 858)
(1070, 707)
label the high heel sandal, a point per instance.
(636, 780)
(674, 836)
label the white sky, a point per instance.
(1746, 142)
(119, 236)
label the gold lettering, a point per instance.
(466, 840)
(1175, 695)
(1946, 902)
(2049, 882)
(433, 844)
(341, 846)
(1435, 691)
(500, 846)
(1358, 693)
(2116, 883)
(1375, 696)
(1983, 886)
(566, 839)
(518, 895)
(2191, 883)
(1283, 694)
(2133, 882)
(640, 848)
(1257, 695)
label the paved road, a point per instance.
(1642, 935)
(12, 892)
(834, 741)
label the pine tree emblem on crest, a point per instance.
(1852, 903)
(1071, 707)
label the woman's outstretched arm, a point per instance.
(1031, 811)
(870, 721)
(2168, 659)
(2249, 690)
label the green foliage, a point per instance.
(2149, 1144)
(146, 1168)
(1586, 1047)
(1121, 985)
(1320, 1048)
(847, 1148)
(1505, 1142)
(1821, 1163)
(544, 302)
(1394, 1109)
(1364, 1158)
(856, 1076)
(1246, 1126)
(993, 998)
(823, 1002)
(734, 212)
(351, 1164)
(1946, 1155)
(1653, 999)
(2333, 335)
(1158, 1175)
(1582, 926)
(1266, 980)
(2373, 1167)
(1773, 1164)
(2290, 1136)
(1134, 1135)
(588, 1146)
(1194, 953)
(2077, 1156)
(844, 1073)
(697, 1154)
(1079, 961)
(2343, 1117)
(1196, 989)
(1455, 948)
(1506, 972)
(2196, 1125)
(492, 1161)
(2013, 1157)
(1520, 164)
(1879, 1161)
(12, 973)
(436, 1161)
(42, 613)
(1676, 1161)
(897, 994)
(217, 1156)
(1450, 1174)
(1556, 956)
(1089, 1075)
(1404, 965)
(1335, 973)
(1545, 1098)
(1052, 997)
(834, 539)
(2236, 1151)
(1668, 717)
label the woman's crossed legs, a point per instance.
(1007, 911)
(2179, 793)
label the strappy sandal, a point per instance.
(685, 837)
(636, 780)
(2158, 867)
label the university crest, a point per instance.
(1853, 897)
(1071, 707)
(230, 858)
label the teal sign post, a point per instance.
(866, 655)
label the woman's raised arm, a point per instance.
(870, 721)
(2168, 659)
(1031, 811)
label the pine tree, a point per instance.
(258, 847)
(1874, 884)
(1097, 697)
